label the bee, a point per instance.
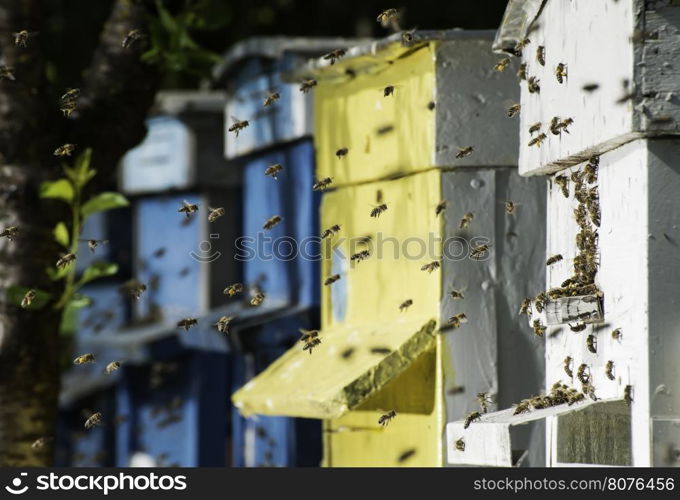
(359, 256)
(466, 220)
(67, 107)
(590, 171)
(40, 443)
(65, 150)
(555, 125)
(523, 406)
(342, 152)
(405, 305)
(478, 251)
(257, 299)
(457, 320)
(590, 87)
(21, 37)
(539, 329)
(322, 185)
(441, 206)
(215, 213)
(563, 183)
(223, 324)
(538, 140)
(387, 17)
(539, 301)
(609, 370)
(376, 211)
(535, 127)
(93, 420)
(564, 124)
(567, 363)
(347, 353)
(271, 222)
(628, 394)
(92, 244)
(331, 279)
(307, 335)
(112, 367)
(522, 72)
(561, 72)
(28, 298)
(271, 98)
(65, 260)
(463, 152)
(573, 396)
(334, 55)
(9, 232)
(307, 85)
(6, 72)
(510, 207)
(591, 343)
(84, 358)
(188, 208)
(456, 294)
(386, 418)
(577, 327)
(334, 229)
(132, 37)
(502, 64)
(388, 91)
(431, 105)
(134, 288)
(533, 84)
(456, 389)
(540, 55)
(519, 46)
(273, 170)
(583, 373)
(484, 401)
(552, 260)
(514, 109)
(460, 444)
(309, 346)
(70, 95)
(381, 350)
(430, 266)
(187, 323)
(471, 417)
(616, 334)
(238, 125)
(525, 307)
(233, 289)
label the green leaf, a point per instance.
(57, 274)
(99, 269)
(79, 301)
(61, 235)
(60, 189)
(15, 295)
(82, 172)
(107, 200)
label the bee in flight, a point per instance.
(535, 127)
(539, 329)
(271, 222)
(441, 206)
(188, 208)
(215, 213)
(342, 152)
(377, 211)
(540, 55)
(9, 232)
(70, 95)
(322, 184)
(187, 323)
(271, 99)
(463, 152)
(331, 279)
(519, 46)
(386, 418)
(456, 294)
(478, 251)
(223, 324)
(538, 140)
(457, 320)
(6, 73)
(92, 243)
(65, 150)
(233, 290)
(273, 170)
(359, 256)
(84, 358)
(510, 207)
(307, 85)
(522, 72)
(389, 17)
(334, 229)
(257, 299)
(238, 125)
(40, 442)
(430, 266)
(561, 72)
(21, 37)
(405, 305)
(65, 260)
(93, 420)
(552, 260)
(525, 307)
(533, 84)
(134, 288)
(484, 401)
(471, 417)
(334, 55)
(310, 339)
(514, 110)
(466, 220)
(28, 298)
(502, 64)
(132, 37)
(112, 367)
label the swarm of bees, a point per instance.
(331, 279)
(94, 420)
(307, 85)
(271, 222)
(66, 260)
(28, 298)
(457, 320)
(273, 170)
(187, 323)
(405, 305)
(378, 210)
(322, 184)
(430, 266)
(9, 232)
(112, 367)
(310, 339)
(334, 229)
(83, 359)
(271, 99)
(465, 151)
(223, 324)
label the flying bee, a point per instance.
(66, 107)
(308, 335)
(271, 222)
(92, 244)
(535, 127)
(460, 444)
(388, 17)
(322, 184)
(510, 207)
(309, 346)
(334, 229)
(273, 170)
(555, 125)
(359, 256)
(238, 125)
(471, 417)
(484, 401)
(538, 140)
(65, 260)
(561, 72)
(377, 211)
(405, 305)
(132, 37)
(514, 110)
(628, 394)
(233, 289)
(187, 323)
(564, 124)
(386, 418)
(188, 208)
(215, 213)
(539, 329)
(478, 251)
(525, 307)
(21, 37)
(533, 84)
(463, 152)
(6, 72)
(540, 55)
(40, 443)
(583, 373)
(112, 367)
(70, 95)
(271, 98)
(430, 266)
(567, 363)
(563, 183)
(457, 320)
(65, 150)
(590, 87)
(552, 260)
(257, 299)
(342, 152)
(331, 279)
(307, 85)
(539, 301)
(28, 298)
(456, 294)
(609, 370)
(441, 206)
(134, 288)
(9, 232)
(223, 324)
(522, 72)
(334, 55)
(84, 358)
(616, 334)
(519, 46)
(388, 91)
(380, 350)
(456, 389)
(466, 220)
(502, 64)
(93, 420)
